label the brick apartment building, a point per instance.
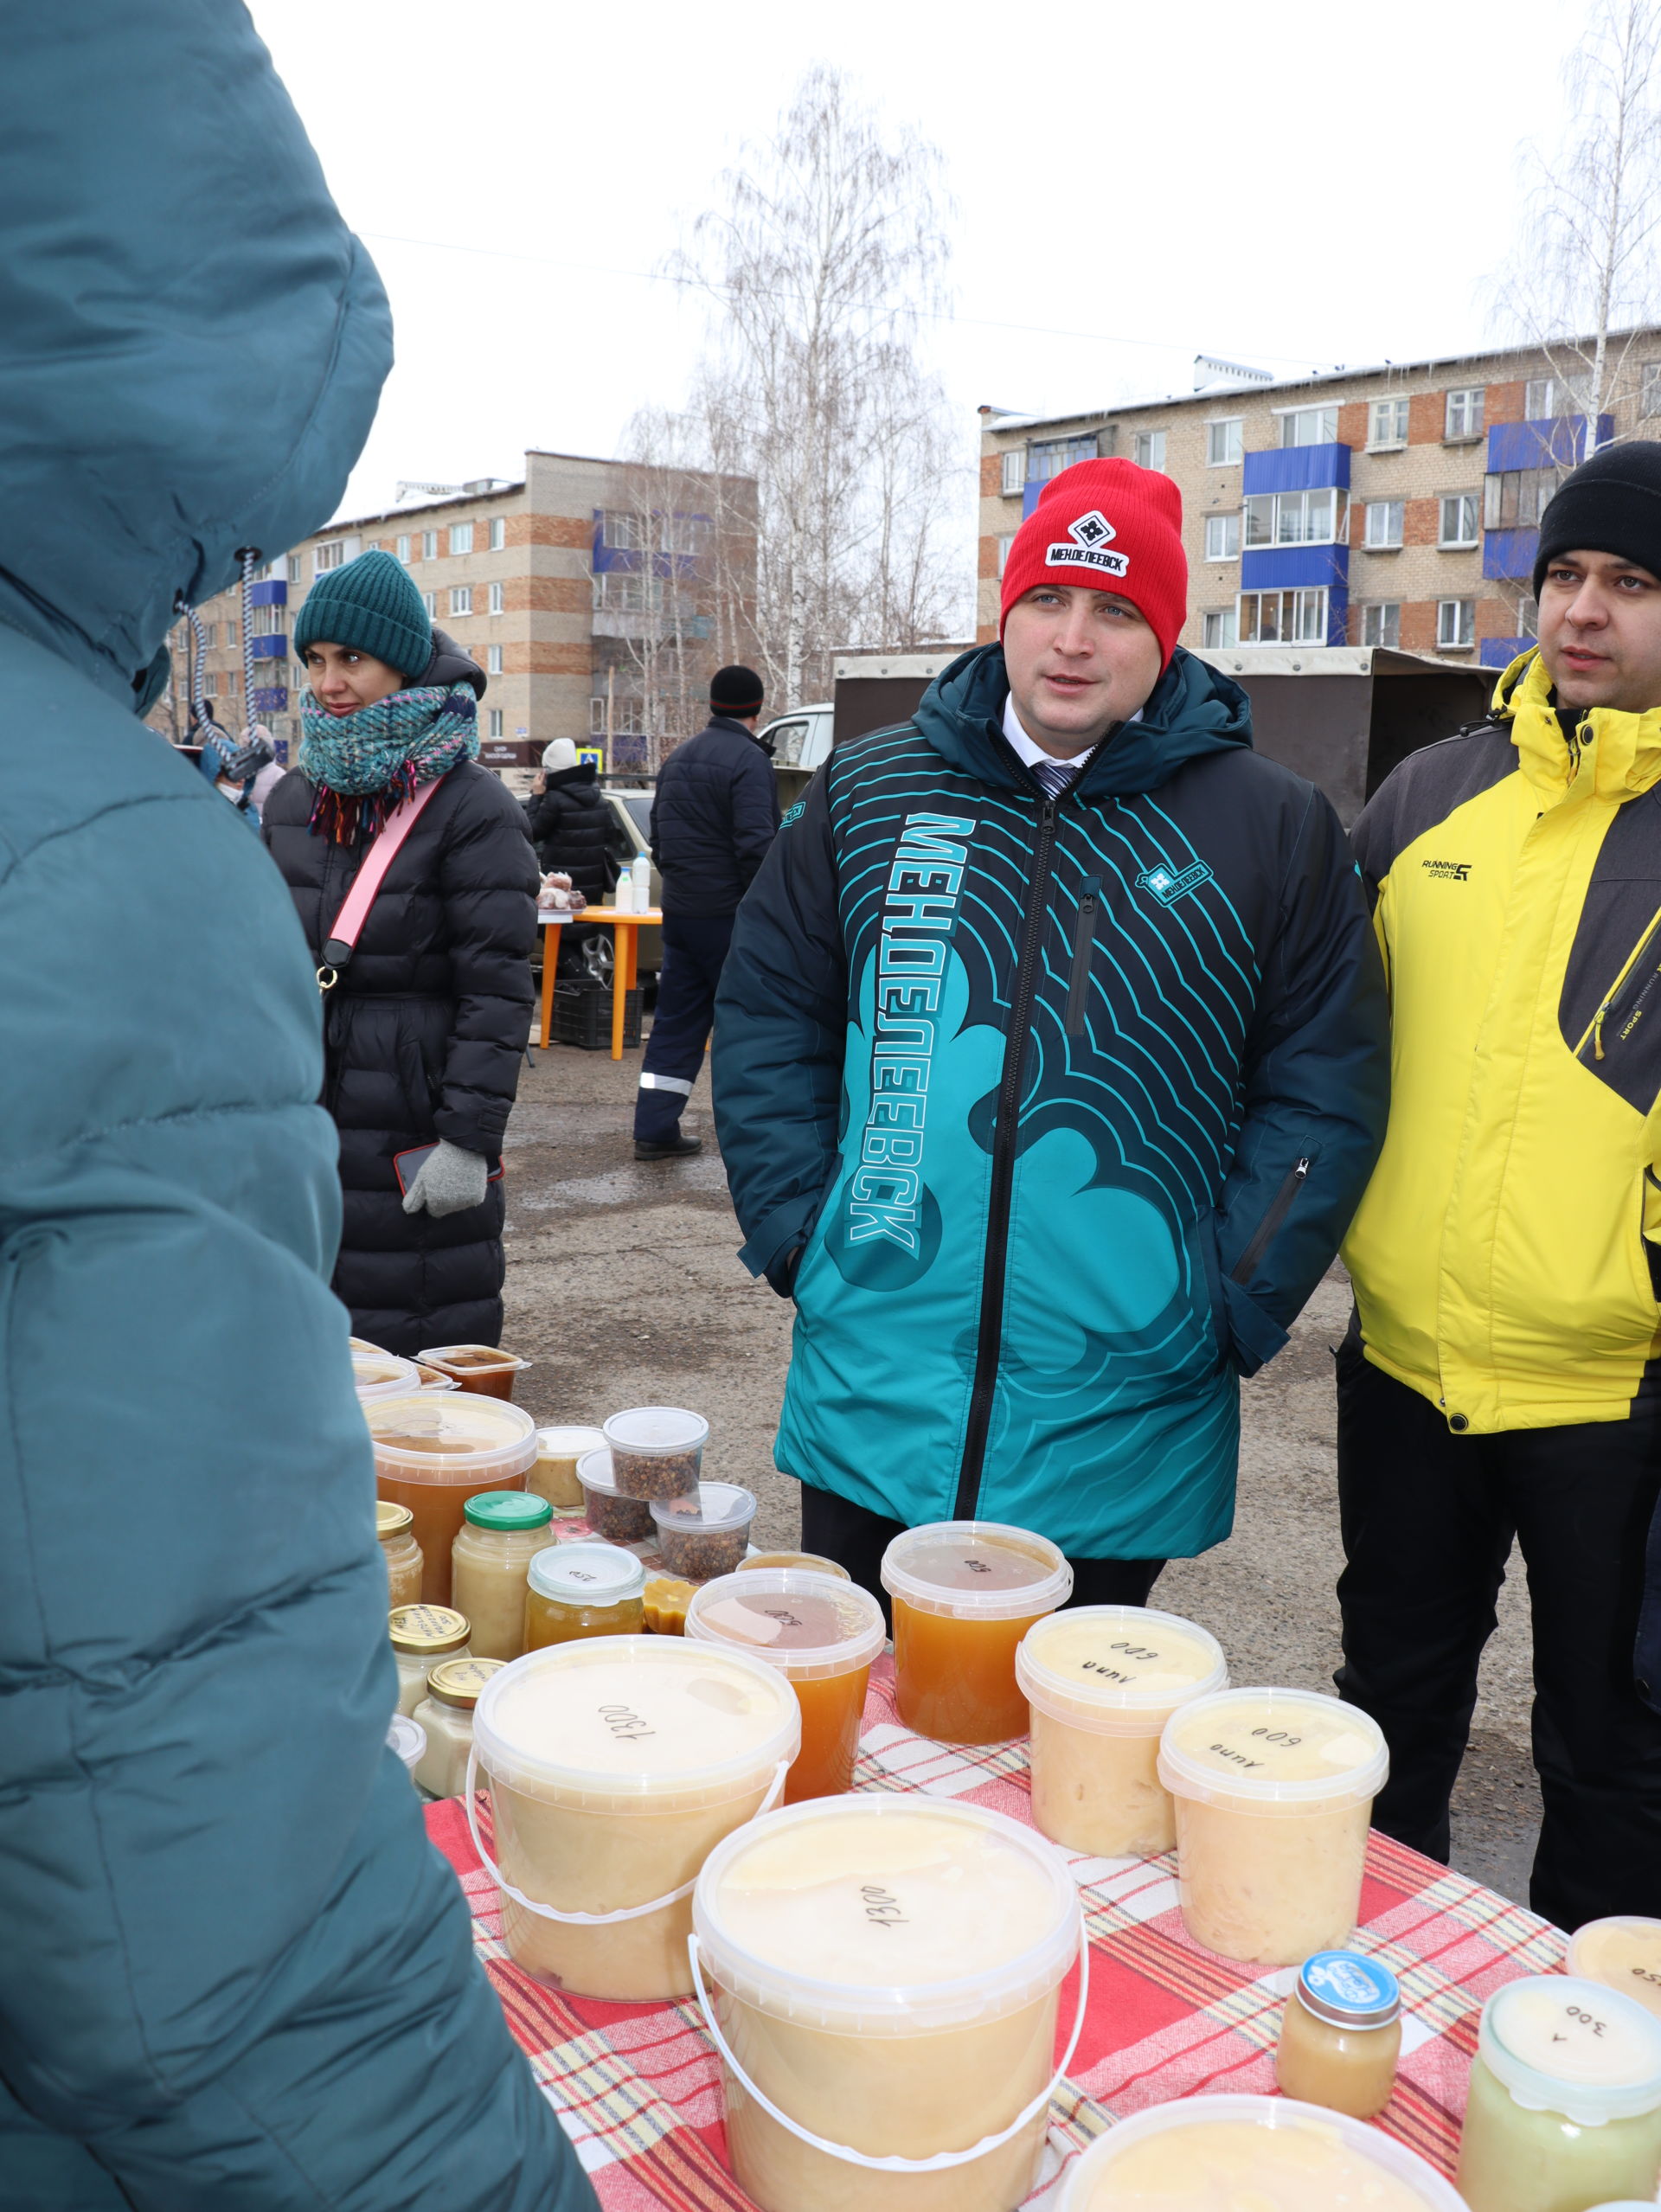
(555, 585)
(1388, 506)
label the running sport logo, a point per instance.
(1448, 871)
(1090, 535)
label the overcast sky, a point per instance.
(1288, 186)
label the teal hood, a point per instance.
(185, 370)
(1192, 711)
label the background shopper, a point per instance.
(570, 822)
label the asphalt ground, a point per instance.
(625, 1286)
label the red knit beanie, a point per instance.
(1113, 526)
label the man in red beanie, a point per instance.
(1051, 1063)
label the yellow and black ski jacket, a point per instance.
(1501, 1256)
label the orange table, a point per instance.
(625, 960)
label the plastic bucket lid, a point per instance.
(1089, 2187)
(636, 1724)
(567, 1443)
(805, 1562)
(1563, 2045)
(654, 1430)
(1272, 1750)
(408, 1739)
(382, 1375)
(714, 1509)
(450, 1436)
(507, 1512)
(1117, 1669)
(976, 1570)
(1623, 1951)
(488, 1359)
(886, 1915)
(588, 1575)
(807, 1625)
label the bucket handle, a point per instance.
(942, 2160)
(591, 1920)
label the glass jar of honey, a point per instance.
(578, 1590)
(446, 1713)
(420, 1636)
(502, 1532)
(1341, 2035)
(395, 1527)
(964, 1594)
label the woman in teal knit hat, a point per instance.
(425, 1029)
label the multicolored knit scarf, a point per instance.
(367, 763)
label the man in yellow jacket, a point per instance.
(1506, 1375)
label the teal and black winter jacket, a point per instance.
(1057, 1110)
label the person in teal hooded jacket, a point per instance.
(235, 1973)
(1051, 1063)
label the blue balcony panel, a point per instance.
(1510, 552)
(274, 648)
(1296, 468)
(273, 591)
(1338, 615)
(1500, 652)
(270, 699)
(1555, 442)
(1295, 568)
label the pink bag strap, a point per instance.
(354, 912)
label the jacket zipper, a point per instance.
(1084, 942)
(990, 1341)
(1595, 1028)
(1279, 1206)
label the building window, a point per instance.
(430, 601)
(1528, 617)
(1015, 470)
(230, 635)
(499, 534)
(596, 718)
(1223, 537)
(496, 598)
(461, 599)
(623, 533)
(325, 557)
(1224, 442)
(461, 537)
(1049, 456)
(1548, 397)
(494, 729)
(1222, 626)
(1283, 618)
(1458, 527)
(429, 545)
(1649, 389)
(1464, 415)
(293, 568)
(210, 637)
(1517, 499)
(1003, 544)
(1382, 625)
(1383, 524)
(1148, 449)
(1387, 423)
(1310, 427)
(1456, 622)
(403, 549)
(210, 684)
(1296, 517)
(492, 660)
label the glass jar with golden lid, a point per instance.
(446, 1713)
(421, 1635)
(395, 1527)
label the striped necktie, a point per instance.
(1055, 775)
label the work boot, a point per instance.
(666, 1147)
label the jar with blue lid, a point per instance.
(1341, 2035)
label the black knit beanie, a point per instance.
(1611, 503)
(735, 690)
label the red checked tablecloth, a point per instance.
(638, 2089)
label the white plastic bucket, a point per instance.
(885, 1973)
(615, 1766)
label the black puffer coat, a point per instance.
(423, 1038)
(713, 814)
(570, 827)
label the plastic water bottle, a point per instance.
(641, 870)
(624, 897)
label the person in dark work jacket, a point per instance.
(715, 815)
(570, 823)
(424, 1030)
(237, 1976)
(1051, 1063)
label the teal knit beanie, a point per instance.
(370, 604)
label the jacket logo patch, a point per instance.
(792, 814)
(1168, 885)
(1450, 871)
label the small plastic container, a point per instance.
(964, 1594)
(395, 1527)
(408, 1739)
(1205, 2152)
(1341, 2035)
(554, 1475)
(1564, 2105)
(578, 1590)
(430, 1378)
(1102, 1681)
(433, 1453)
(1274, 1789)
(502, 1532)
(809, 1563)
(1623, 1954)
(379, 1374)
(705, 1534)
(453, 1687)
(657, 1451)
(822, 1635)
(666, 1599)
(886, 1971)
(619, 1520)
(614, 1767)
(361, 1344)
(421, 1635)
(484, 1369)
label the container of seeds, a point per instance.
(706, 1534)
(657, 1451)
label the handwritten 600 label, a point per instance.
(1283, 1737)
(1142, 1653)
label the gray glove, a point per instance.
(450, 1181)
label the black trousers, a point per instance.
(857, 1539)
(694, 951)
(1428, 1520)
